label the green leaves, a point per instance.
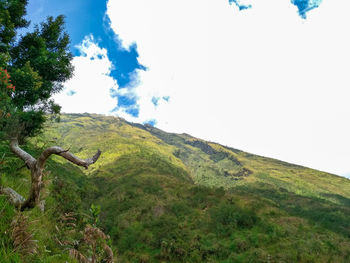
(95, 211)
(47, 49)
(28, 86)
(39, 63)
(12, 14)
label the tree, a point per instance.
(33, 67)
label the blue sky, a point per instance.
(264, 76)
(88, 17)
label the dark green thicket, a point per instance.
(334, 217)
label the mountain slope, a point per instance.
(175, 198)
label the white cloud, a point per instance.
(261, 80)
(91, 82)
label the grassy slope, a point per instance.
(174, 198)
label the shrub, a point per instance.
(227, 217)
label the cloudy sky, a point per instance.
(264, 76)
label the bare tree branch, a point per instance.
(15, 198)
(68, 156)
(36, 168)
(26, 157)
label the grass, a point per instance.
(174, 198)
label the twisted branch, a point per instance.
(36, 167)
(68, 156)
(26, 157)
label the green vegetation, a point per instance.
(174, 198)
(33, 66)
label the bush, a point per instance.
(227, 217)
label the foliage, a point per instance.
(95, 211)
(85, 241)
(22, 237)
(6, 90)
(38, 63)
(226, 217)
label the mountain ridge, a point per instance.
(151, 128)
(175, 198)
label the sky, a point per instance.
(264, 76)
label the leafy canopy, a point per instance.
(36, 63)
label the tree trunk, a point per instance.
(34, 194)
(36, 167)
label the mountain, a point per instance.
(174, 198)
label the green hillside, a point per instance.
(175, 198)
